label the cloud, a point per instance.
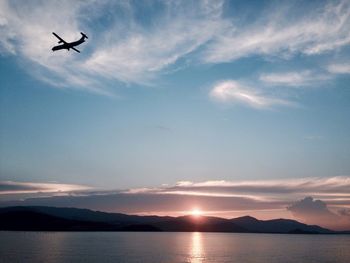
(10, 187)
(339, 68)
(333, 189)
(143, 52)
(308, 207)
(140, 203)
(262, 198)
(125, 46)
(284, 31)
(313, 211)
(27, 34)
(235, 92)
(122, 46)
(302, 78)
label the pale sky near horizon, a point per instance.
(172, 94)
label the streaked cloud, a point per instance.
(302, 78)
(285, 30)
(332, 188)
(27, 34)
(10, 188)
(339, 68)
(262, 198)
(122, 46)
(235, 92)
(127, 48)
(141, 53)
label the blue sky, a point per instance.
(169, 91)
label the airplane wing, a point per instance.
(75, 49)
(61, 40)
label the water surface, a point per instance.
(171, 247)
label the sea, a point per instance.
(169, 247)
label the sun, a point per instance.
(196, 212)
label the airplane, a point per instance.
(67, 45)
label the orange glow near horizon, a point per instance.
(196, 212)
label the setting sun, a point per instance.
(196, 212)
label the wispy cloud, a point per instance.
(129, 48)
(125, 47)
(339, 68)
(235, 92)
(215, 197)
(26, 32)
(302, 78)
(142, 52)
(10, 188)
(278, 33)
(261, 198)
(331, 188)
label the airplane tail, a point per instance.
(85, 36)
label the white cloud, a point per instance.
(339, 68)
(276, 32)
(233, 91)
(138, 56)
(125, 49)
(28, 33)
(294, 79)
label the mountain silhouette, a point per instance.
(41, 218)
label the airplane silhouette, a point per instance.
(67, 45)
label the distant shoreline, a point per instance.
(120, 231)
(55, 219)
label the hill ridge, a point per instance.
(80, 219)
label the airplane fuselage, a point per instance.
(70, 45)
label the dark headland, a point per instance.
(41, 218)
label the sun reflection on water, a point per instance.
(197, 252)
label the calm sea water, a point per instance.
(171, 247)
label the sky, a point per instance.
(231, 107)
